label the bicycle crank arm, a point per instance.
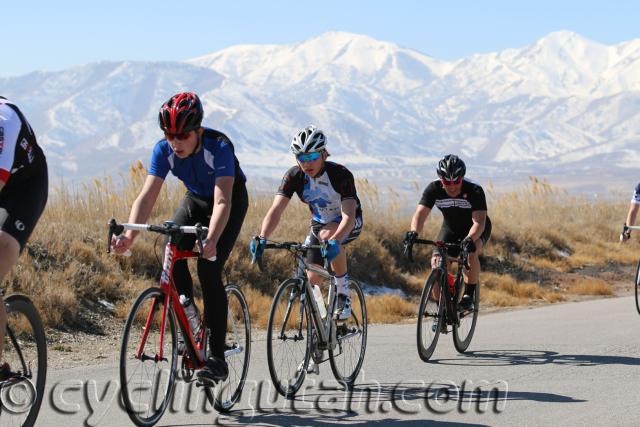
(235, 350)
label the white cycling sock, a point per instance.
(342, 284)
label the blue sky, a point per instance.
(56, 35)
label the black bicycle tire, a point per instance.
(637, 287)
(233, 289)
(293, 389)
(152, 420)
(462, 345)
(22, 304)
(434, 279)
(349, 381)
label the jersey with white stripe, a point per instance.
(199, 171)
(20, 155)
(455, 210)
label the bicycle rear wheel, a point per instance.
(288, 338)
(147, 381)
(347, 357)
(237, 351)
(25, 350)
(430, 315)
(463, 332)
(637, 287)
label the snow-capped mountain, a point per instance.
(564, 105)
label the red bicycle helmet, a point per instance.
(181, 113)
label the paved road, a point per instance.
(564, 364)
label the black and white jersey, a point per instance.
(324, 193)
(636, 195)
(455, 210)
(20, 155)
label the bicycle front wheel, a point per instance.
(148, 359)
(25, 350)
(288, 333)
(430, 315)
(237, 350)
(637, 286)
(351, 335)
(463, 332)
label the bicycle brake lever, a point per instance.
(199, 238)
(112, 224)
(408, 251)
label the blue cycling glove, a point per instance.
(331, 250)
(256, 247)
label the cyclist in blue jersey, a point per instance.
(336, 217)
(634, 206)
(204, 160)
(24, 187)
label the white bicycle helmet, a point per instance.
(308, 140)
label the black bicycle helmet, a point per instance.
(451, 167)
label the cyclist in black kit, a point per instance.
(464, 208)
(24, 187)
(336, 217)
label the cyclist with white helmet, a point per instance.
(464, 208)
(336, 217)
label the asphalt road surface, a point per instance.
(567, 364)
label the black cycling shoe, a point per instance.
(215, 370)
(466, 303)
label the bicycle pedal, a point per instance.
(206, 382)
(313, 368)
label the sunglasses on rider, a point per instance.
(179, 136)
(451, 181)
(308, 157)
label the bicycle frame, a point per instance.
(326, 328)
(451, 303)
(172, 299)
(167, 286)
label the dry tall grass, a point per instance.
(538, 234)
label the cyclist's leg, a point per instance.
(21, 205)
(186, 215)
(472, 277)
(339, 266)
(210, 272)
(9, 252)
(446, 235)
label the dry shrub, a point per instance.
(389, 308)
(590, 286)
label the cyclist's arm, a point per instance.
(633, 213)
(222, 195)
(272, 218)
(419, 217)
(479, 219)
(142, 206)
(348, 207)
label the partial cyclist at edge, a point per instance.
(24, 189)
(204, 160)
(336, 216)
(634, 206)
(464, 208)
